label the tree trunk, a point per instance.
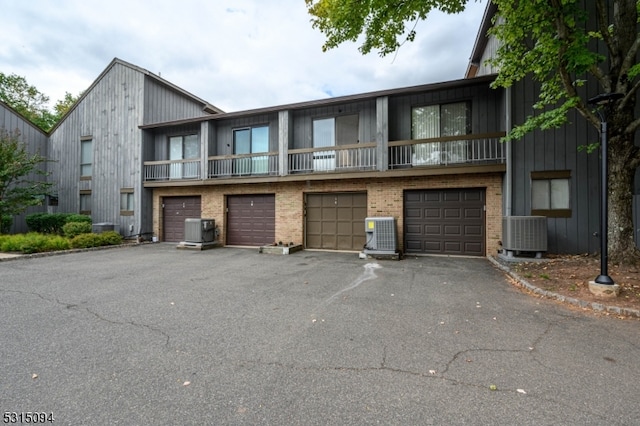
(622, 167)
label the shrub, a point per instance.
(33, 243)
(73, 217)
(71, 229)
(110, 238)
(5, 224)
(86, 241)
(52, 223)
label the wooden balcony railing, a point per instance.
(333, 159)
(444, 151)
(264, 163)
(171, 169)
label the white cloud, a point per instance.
(237, 55)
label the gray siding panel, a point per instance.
(36, 142)
(303, 121)
(111, 113)
(163, 104)
(558, 150)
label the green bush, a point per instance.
(111, 238)
(71, 229)
(73, 217)
(5, 224)
(33, 243)
(52, 223)
(86, 241)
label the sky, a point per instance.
(237, 55)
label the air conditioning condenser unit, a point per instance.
(198, 231)
(380, 235)
(524, 234)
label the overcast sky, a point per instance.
(237, 55)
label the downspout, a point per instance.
(508, 179)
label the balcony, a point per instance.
(450, 151)
(333, 159)
(264, 163)
(447, 151)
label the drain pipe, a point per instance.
(508, 181)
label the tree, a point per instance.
(64, 105)
(19, 186)
(560, 44)
(31, 103)
(27, 100)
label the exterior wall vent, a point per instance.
(199, 230)
(380, 235)
(524, 234)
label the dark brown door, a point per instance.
(175, 210)
(445, 221)
(251, 220)
(336, 221)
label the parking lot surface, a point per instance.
(154, 335)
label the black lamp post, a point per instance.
(604, 100)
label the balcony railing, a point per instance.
(333, 159)
(445, 151)
(264, 163)
(171, 169)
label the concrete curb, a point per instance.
(597, 307)
(14, 256)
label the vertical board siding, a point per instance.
(36, 143)
(111, 113)
(163, 103)
(486, 108)
(557, 150)
(303, 121)
(223, 134)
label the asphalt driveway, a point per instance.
(154, 335)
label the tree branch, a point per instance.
(603, 20)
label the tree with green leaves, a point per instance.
(560, 44)
(27, 100)
(19, 170)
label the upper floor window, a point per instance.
(435, 121)
(184, 147)
(251, 140)
(551, 193)
(332, 131)
(86, 158)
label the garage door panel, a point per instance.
(451, 221)
(452, 230)
(251, 219)
(175, 211)
(433, 213)
(335, 221)
(452, 213)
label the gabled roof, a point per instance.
(25, 119)
(206, 106)
(481, 40)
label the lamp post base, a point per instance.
(604, 279)
(608, 291)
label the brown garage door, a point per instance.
(174, 211)
(251, 220)
(336, 221)
(446, 221)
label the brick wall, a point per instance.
(384, 198)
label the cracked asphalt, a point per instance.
(154, 335)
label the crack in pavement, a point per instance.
(78, 308)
